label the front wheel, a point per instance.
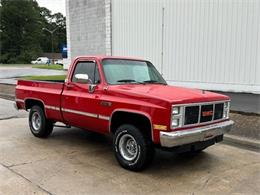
(133, 150)
(39, 125)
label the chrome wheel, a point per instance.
(36, 121)
(128, 147)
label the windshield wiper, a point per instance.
(127, 81)
(154, 81)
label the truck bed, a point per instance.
(48, 92)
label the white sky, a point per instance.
(53, 5)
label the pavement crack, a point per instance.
(24, 163)
(206, 183)
(10, 117)
(19, 164)
(20, 175)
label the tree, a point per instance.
(21, 36)
(56, 21)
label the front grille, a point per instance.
(191, 115)
(218, 114)
(203, 113)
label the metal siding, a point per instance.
(136, 29)
(211, 44)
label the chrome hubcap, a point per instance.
(128, 147)
(36, 121)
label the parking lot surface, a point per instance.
(8, 74)
(72, 161)
(12, 72)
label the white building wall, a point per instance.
(207, 44)
(86, 27)
(66, 62)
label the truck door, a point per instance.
(79, 106)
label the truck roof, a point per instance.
(101, 57)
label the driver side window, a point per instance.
(88, 67)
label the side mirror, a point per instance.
(83, 78)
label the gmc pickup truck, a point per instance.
(129, 99)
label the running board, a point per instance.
(63, 126)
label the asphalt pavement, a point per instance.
(73, 161)
(7, 74)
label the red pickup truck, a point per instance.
(129, 99)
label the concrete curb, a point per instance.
(7, 84)
(242, 142)
(7, 96)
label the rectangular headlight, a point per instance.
(226, 110)
(176, 116)
(226, 105)
(175, 122)
(175, 110)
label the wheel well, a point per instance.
(142, 122)
(29, 103)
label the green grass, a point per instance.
(12, 65)
(42, 78)
(51, 66)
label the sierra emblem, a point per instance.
(207, 113)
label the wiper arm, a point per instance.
(127, 81)
(154, 81)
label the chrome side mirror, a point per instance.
(83, 78)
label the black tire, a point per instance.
(144, 148)
(43, 127)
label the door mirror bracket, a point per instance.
(91, 88)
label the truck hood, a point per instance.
(168, 93)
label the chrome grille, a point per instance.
(203, 113)
(185, 115)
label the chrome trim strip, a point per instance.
(80, 113)
(52, 107)
(201, 103)
(178, 138)
(213, 115)
(103, 117)
(107, 118)
(199, 113)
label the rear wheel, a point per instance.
(133, 150)
(39, 125)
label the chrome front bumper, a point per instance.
(178, 138)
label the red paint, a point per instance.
(151, 100)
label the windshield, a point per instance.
(120, 71)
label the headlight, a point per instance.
(175, 110)
(176, 117)
(226, 105)
(175, 122)
(226, 110)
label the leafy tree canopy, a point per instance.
(22, 37)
